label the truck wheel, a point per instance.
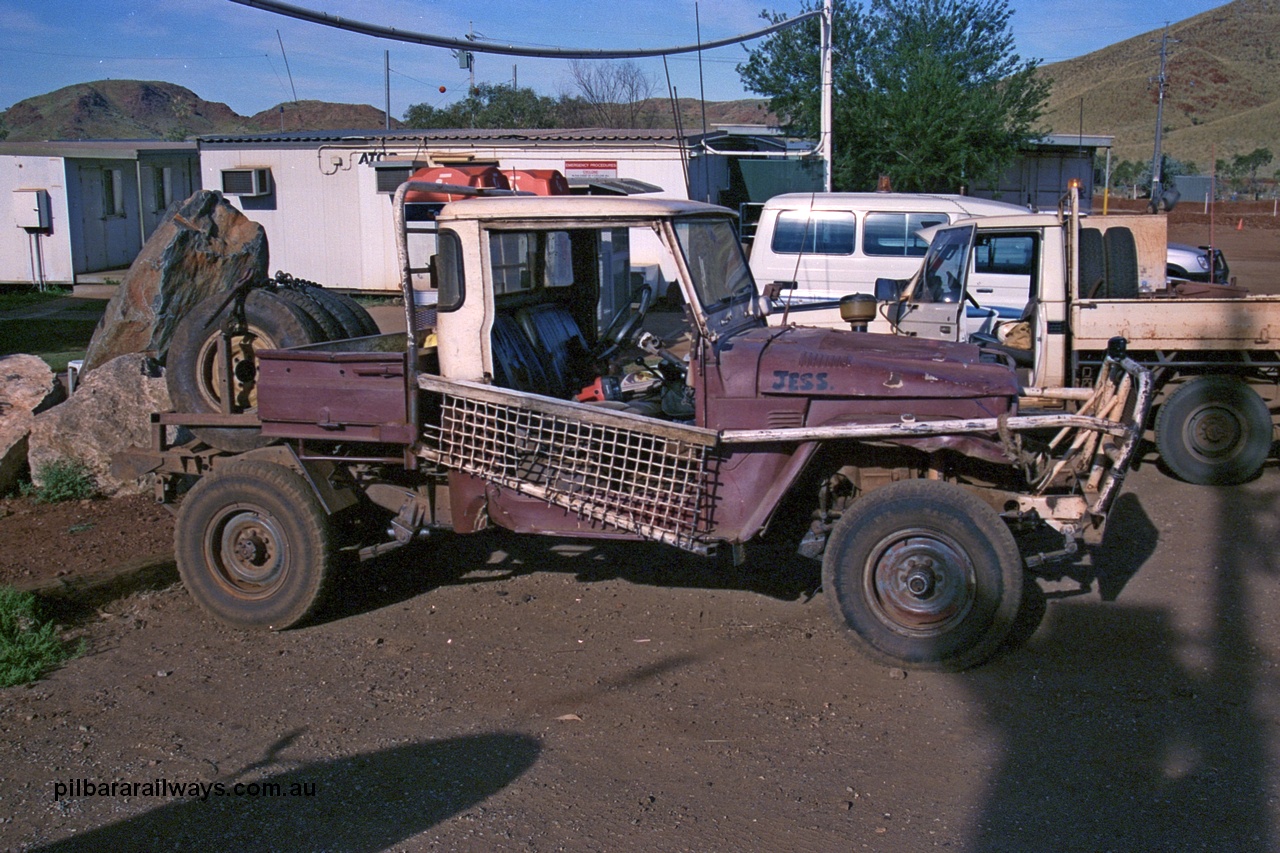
(1214, 430)
(253, 546)
(1122, 264)
(1093, 264)
(194, 365)
(924, 574)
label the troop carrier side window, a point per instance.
(814, 232)
(895, 234)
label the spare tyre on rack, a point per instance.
(359, 322)
(305, 299)
(355, 321)
(195, 370)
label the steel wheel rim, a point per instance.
(1214, 432)
(243, 369)
(920, 582)
(248, 551)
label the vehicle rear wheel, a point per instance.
(195, 371)
(1214, 430)
(924, 574)
(253, 546)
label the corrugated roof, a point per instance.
(497, 136)
(98, 149)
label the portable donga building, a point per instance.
(324, 197)
(69, 208)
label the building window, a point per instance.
(162, 184)
(112, 193)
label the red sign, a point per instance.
(591, 168)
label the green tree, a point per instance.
(928, 92)
(489, 106)
(1249, 164)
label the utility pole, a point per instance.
(1157, 159)
(471, 59)
(824, 141)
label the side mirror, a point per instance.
(773, 290)
(889, 289)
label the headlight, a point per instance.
(1203, 261)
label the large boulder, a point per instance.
(204, 246)
(109, 412)
(27, 386)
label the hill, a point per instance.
(1222, 95)
(137, 109)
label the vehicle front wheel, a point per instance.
(253, 546)
(1214, 430)
(924, 574)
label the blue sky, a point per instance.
(227, 52)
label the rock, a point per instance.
(203, 247)
(27, 386)
(110, 411)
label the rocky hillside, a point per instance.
(1222, 96)
(137, 109)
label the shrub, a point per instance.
(62, 480)
(28, 646)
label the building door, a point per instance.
(108, 202)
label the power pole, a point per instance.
(827, 84)
(1157, 159)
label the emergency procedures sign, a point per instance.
(591, 169)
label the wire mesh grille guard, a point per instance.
(652, 482)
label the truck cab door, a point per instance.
(935, 304)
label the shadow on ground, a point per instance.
(367, 802)
(495, 556)
(1119, 731)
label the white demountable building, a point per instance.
(324, 197)
(70, 208)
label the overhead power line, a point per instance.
(378, 31)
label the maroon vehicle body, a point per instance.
(535, 389)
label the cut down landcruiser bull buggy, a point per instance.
(536, 389)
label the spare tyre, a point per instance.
(195, 372)
(357, 322)
(304, 298)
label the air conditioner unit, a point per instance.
(246, 182)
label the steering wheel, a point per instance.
(622, 330)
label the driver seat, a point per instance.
(559, 343)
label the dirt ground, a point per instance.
(503, 693)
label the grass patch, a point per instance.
(56, 341)
(24, 298)
(29, 645)
(61, 480)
